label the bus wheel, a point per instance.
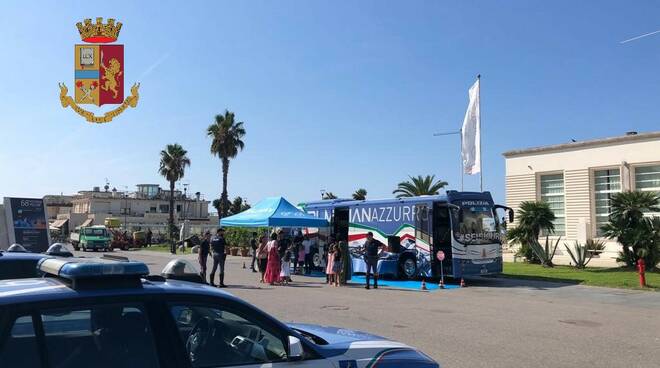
(408, 268)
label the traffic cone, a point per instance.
(424, 284)
(244, 265)
(441, 285)
(462, 282)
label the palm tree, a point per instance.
(629, 226)
(533, 218)
(328, 195)
(360, 194)
(173, 163)
(418, 186)
(227, 136)
(238, 205)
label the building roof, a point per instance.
(623, 139)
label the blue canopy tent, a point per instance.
(273, 212)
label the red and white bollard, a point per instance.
(641, 268)
(462, 282)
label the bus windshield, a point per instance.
(478, 225)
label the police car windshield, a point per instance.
(478, 224)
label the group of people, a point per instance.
(273, 256)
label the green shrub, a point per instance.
(581, 254)
(545, 254)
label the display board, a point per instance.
(27, 224)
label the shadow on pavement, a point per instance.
(540, 283)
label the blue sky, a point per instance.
(335, 95)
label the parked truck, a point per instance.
(92, 238)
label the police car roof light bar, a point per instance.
(95, 273)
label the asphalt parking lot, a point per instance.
(492, 323)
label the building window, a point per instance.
(647, 179)
(164, 208)
(606, 183)
(178, 208)
(552, 192)
(152, 209)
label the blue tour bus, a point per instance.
(463, 225)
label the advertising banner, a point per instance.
(27, 223)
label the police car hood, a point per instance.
(353, 349)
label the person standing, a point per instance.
(337, 264)
(262, 256)
(300, 258)
(307, 245)
(372, 248)
(345, 257)
(149, 236)
(329, 268)
(203, 255)
(297, 244)
(273, 267)
(285, 273)
(218, 245)
(254, 246)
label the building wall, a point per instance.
(523, 172)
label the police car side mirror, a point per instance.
(295, 349)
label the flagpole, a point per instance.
(481, 171)
(461, 157)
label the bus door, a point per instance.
(441, 238)
(340, 223)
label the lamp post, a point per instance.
(126, 208)
(459, 132)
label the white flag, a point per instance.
(471, 134)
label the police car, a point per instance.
(19, 265)
(108, 313)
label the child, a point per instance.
(285, 274)
(336, 265)
(329, 271)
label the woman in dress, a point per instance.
(262, 256)
(273, 267)
(337, 264)
(329, 268)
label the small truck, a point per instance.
(92, 238)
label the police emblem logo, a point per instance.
(99, 72)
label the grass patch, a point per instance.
(164, 248)
(158, 248)
(608, 277)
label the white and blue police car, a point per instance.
(109, 313)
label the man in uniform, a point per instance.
(372, 247)
(218, 244)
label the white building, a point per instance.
(146, 208)
(578, 178)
